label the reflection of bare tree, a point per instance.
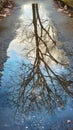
(41, 86)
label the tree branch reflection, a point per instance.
(41, 86)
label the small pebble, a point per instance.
(68, 121)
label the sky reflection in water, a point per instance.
(18, 67)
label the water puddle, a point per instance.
(34, 88)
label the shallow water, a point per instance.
(34, 107)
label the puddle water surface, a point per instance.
(34, 89)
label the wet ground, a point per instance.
(44, 112)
